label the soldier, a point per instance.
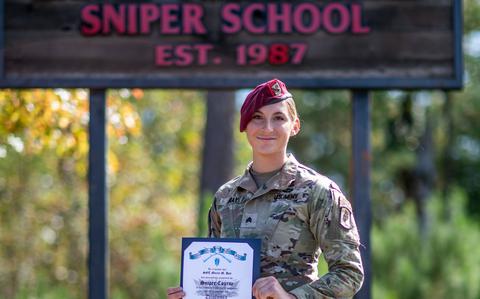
(296, 212)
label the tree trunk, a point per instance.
(217, 163)
(424, 174)
(447, 163)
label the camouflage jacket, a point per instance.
(298, 214)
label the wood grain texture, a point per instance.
(408, 39)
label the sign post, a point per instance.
(97, 198)
(361, 157)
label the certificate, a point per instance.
(219, 268)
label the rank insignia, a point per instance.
(249, 220)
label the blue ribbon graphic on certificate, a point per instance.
(218, 251)
(216, 268)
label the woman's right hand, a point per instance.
(175, 293)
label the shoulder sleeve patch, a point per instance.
(344, 209)
(346, 218)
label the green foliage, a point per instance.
(153, 161)
(42, 199)
(471, 11)
(202, 216)
(154, 192)
(466, 151)
(324, 139)
(444, 264)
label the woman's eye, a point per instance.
(257, 116)
(279, 117)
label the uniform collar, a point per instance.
(280, 181)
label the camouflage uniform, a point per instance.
(298, 214)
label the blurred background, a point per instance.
(425, 182)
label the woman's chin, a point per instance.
(268, 152)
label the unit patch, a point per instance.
(346, 218)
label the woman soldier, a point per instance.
(296, 212)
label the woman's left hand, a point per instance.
(269, 288)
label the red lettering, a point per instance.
(91, 23)
(203, 50)
(132, 19)
(184, 55)
(357, 26)
(298, 18)
(257, 53)
(192, 19)
(274, 54)
(163, 55)
(299, 52)
(278, 54)
(232, 22)
(284, 18)
(169, 17)
(248, 18)
(113, 18)
(148, 14)
(254, 18)
(343, 18)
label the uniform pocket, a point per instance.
(276, 214)
(230, 223)
(278, 233)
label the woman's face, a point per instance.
(270, 129)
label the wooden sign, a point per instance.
(231, 44)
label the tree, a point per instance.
(218, 150)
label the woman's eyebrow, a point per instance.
(273, 113)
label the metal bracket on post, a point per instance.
(361, 157)
(97, 198)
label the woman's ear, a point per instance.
(296, 127)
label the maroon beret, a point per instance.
(267, 93)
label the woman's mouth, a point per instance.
(265, 138)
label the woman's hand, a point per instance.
(270, 288)
(175, 293)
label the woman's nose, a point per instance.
(267, 125)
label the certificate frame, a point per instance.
(254, 244)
